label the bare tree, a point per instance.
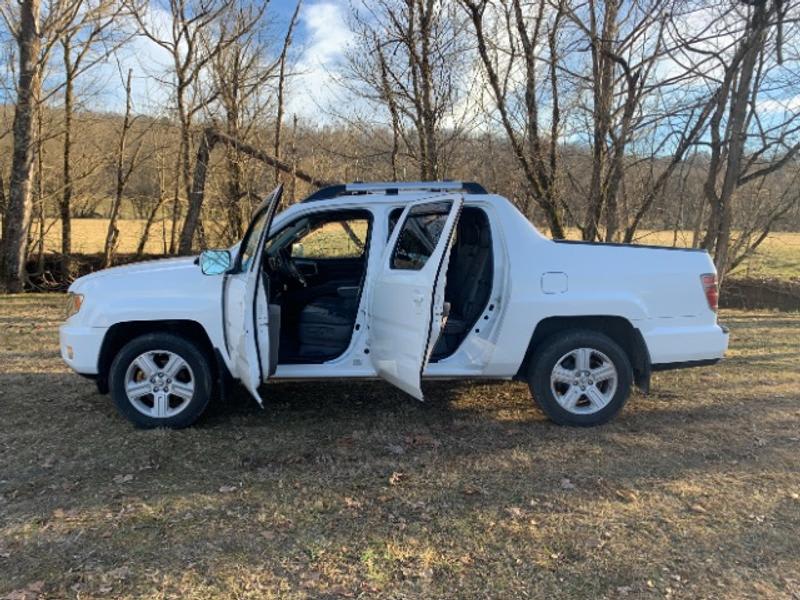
(281, 88)
(736, 124)
(625, 44)
(85, 43)
(193, 23)
(35, 35)
(124, 167)
(243, 78)
(409, 56)
(737, 63)
(519, 50)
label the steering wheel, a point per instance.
(283, 263)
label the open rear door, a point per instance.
(245, 300)
(406, 309)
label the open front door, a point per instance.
(245, 300)
(406, 308)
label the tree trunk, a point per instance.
(603, 88)
(293, 151)
(197, 191)
(18, 214)
(112, 234)
(148, 224)
(234, 183)
(194, 205)
(211, 137)
(66, 194)
(720, 221)
(430, 169)
(287, 41)
(40, 216)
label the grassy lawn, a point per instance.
(352, 490)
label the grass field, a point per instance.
(778, 256)
(88, 236)
(353, 490)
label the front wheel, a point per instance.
(161, 380)
(580, 378)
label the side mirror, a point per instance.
(298, 251)
(215, 262)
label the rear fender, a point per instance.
(620, 329)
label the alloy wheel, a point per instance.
(583, 381)
(159, 383)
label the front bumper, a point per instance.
(80, 347)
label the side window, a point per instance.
(419, 236)
(334, 239)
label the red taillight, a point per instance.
(711, 290)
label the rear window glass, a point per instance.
(420, 234)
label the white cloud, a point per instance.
(323, 40)
(327, 37)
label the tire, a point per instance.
(567, 391)
(161, 380)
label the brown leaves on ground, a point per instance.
(351, 490)
(32, 591)
(397, 478)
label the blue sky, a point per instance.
(320, 41)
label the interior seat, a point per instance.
(469, 280)
(326, 324)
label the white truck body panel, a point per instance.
(658, 291)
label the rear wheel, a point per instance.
(580, 378)
(161, 380)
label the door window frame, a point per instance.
(392, 254)
(362, 212)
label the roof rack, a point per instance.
(394, 188)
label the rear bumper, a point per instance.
(685, 345)
(80, 347)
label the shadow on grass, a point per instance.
(333, 399)
(309, 480)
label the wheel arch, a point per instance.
(121, 333)
(619, 329)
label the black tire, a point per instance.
(557, 349)
(198, 373)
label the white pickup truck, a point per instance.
(400, 281)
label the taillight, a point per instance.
(709, 281)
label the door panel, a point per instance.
(245, 303)
(407, 295)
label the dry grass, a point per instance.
(778, 256)
(354, 490)
(89, 235)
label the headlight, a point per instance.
(74, 303)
